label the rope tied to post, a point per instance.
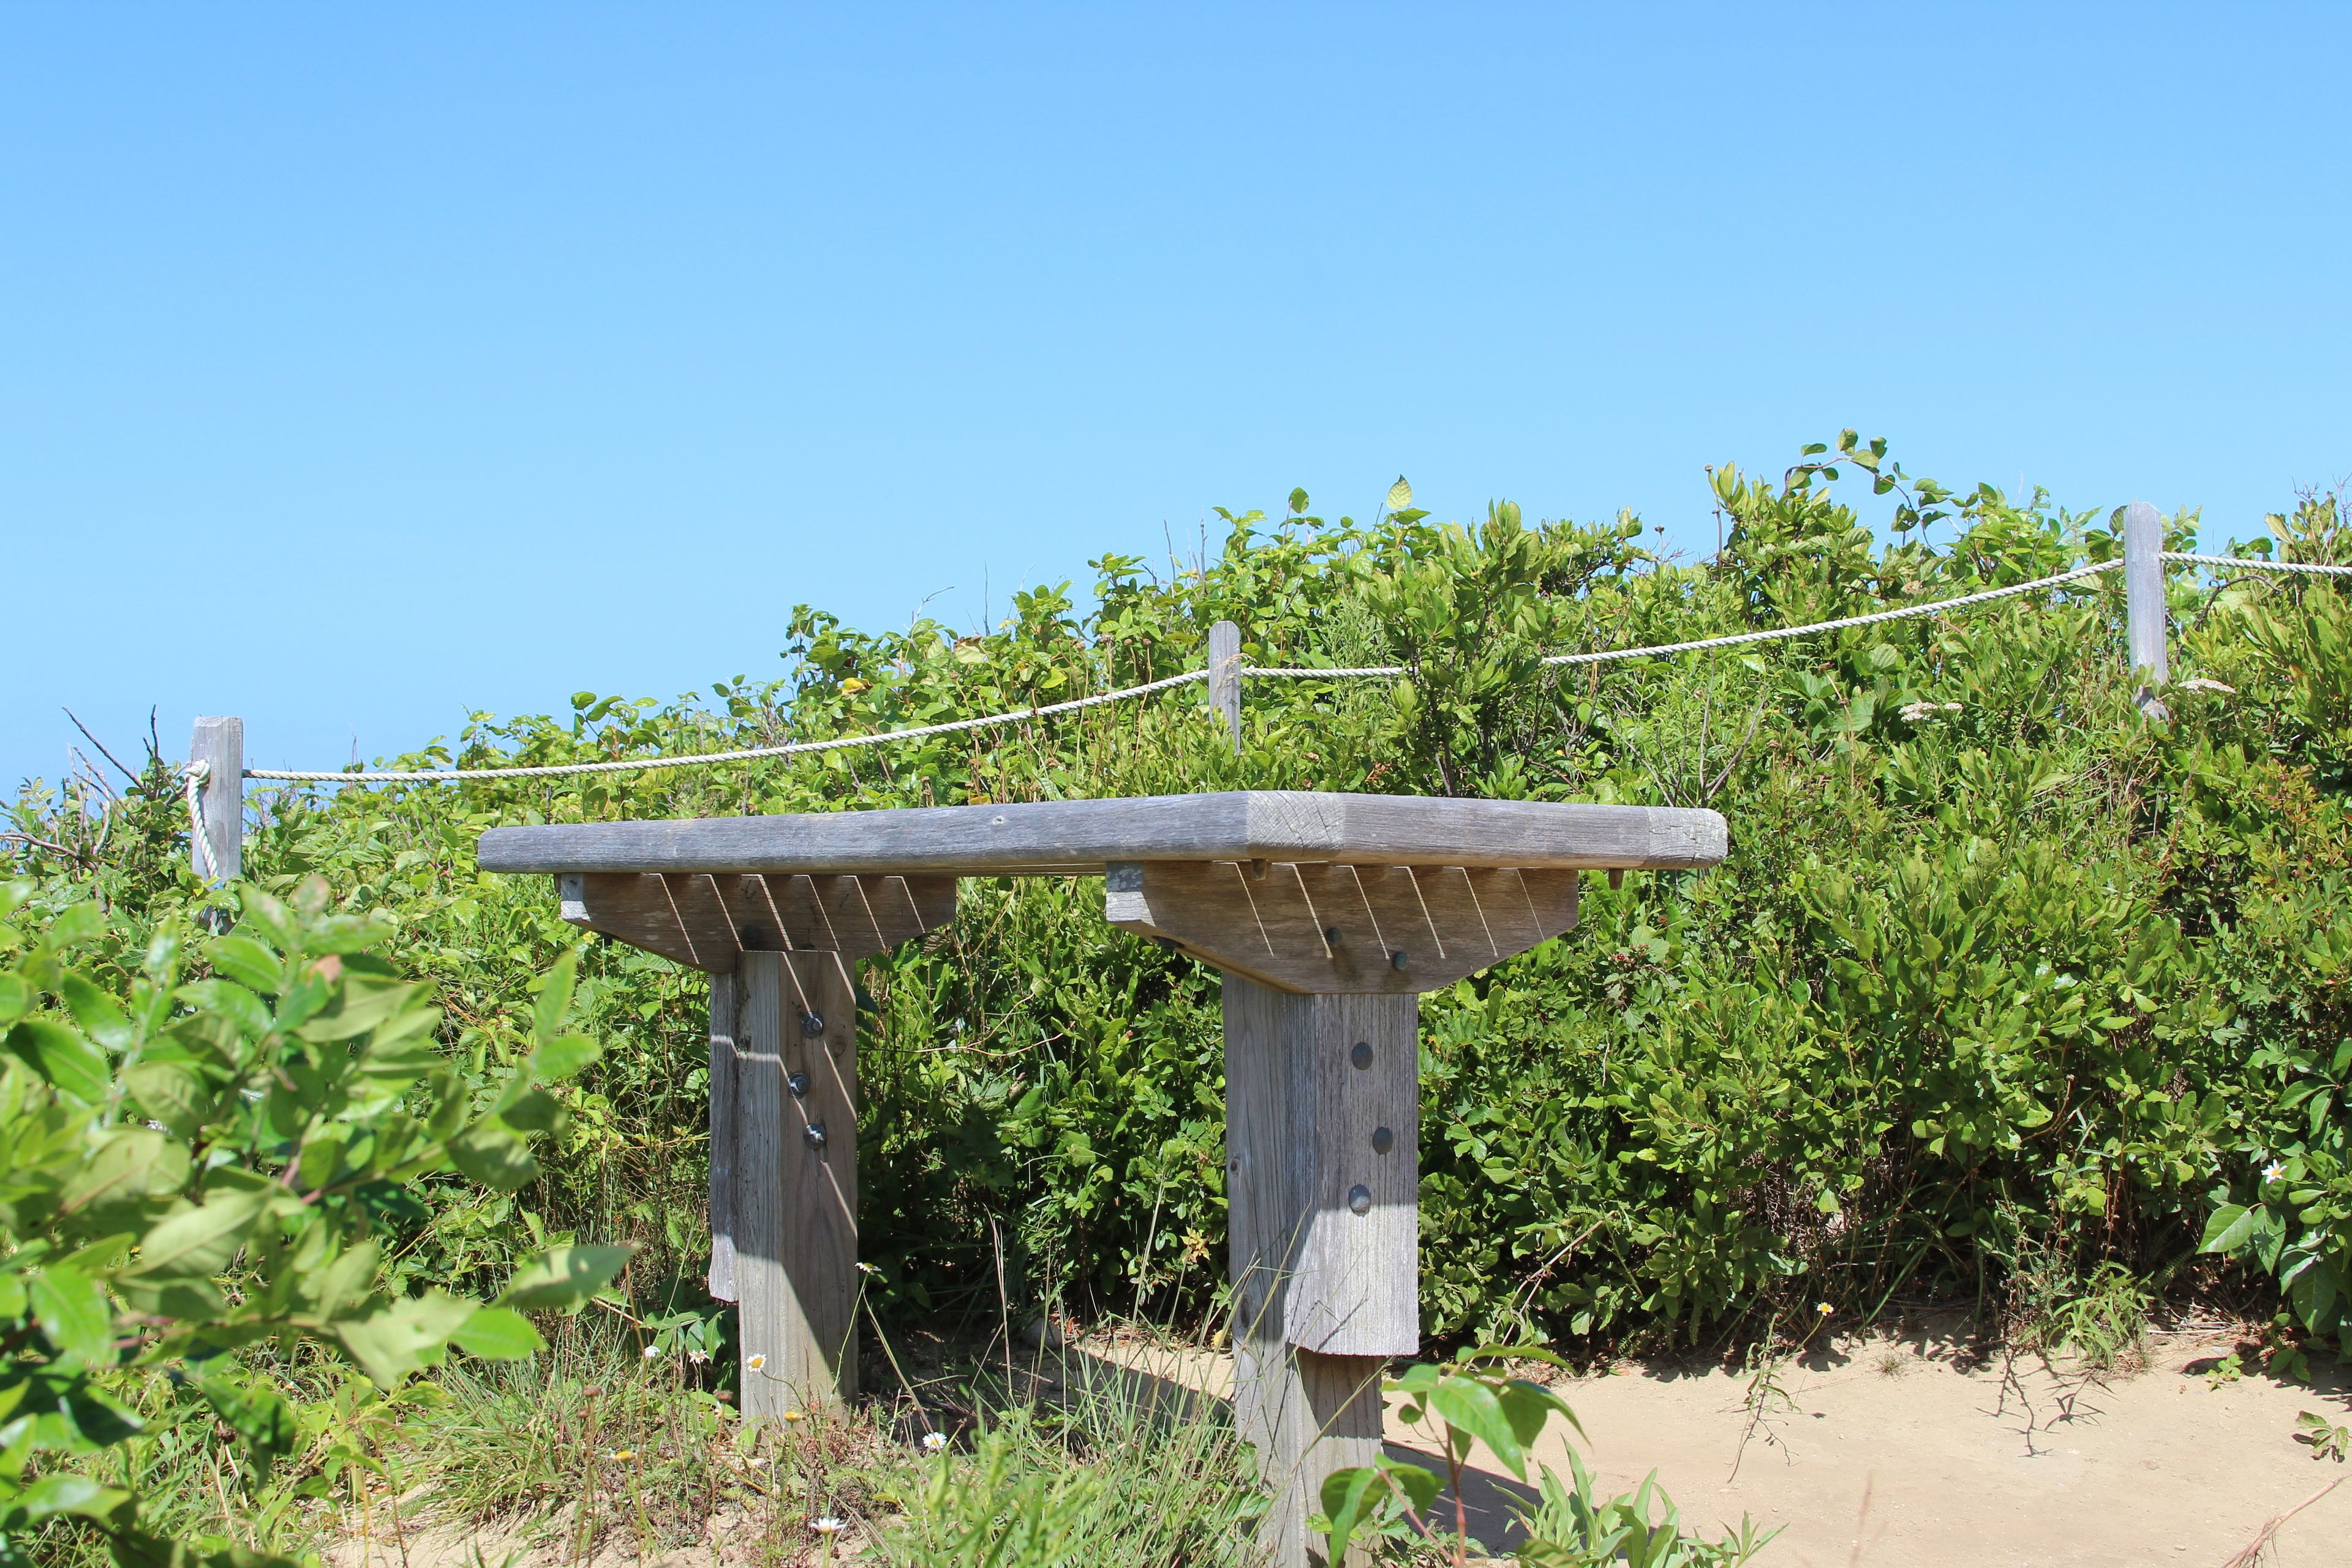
(194, 777)
(1271, 672)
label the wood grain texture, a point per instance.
(795, 1206)
(1388, 930)
(724, 1108)
(1226, 676)
(1081, 837)
(2148, 653)
(1299, 1118)
(708, 921)
(219, 744)
(1354, 1289)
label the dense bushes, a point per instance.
(1998, 971)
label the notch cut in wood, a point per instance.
(1319, 928)
(708, 921)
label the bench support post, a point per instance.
(784, 1176)
(1322, 1177)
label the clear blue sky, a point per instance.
(361, 365)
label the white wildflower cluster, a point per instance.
(1919, 713)
(2201, 683)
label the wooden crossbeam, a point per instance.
(709, 922)
(1317, 928)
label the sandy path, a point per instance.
(1890, 1455)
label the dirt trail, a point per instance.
(1884, 1454)
(1890, 1453)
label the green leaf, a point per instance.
(402, 1336)
(1470, 1406)
(100, 1017)
(198, 1243)
(563, 1056)
(170, 1094)
(1348, 1498)
(1298, 501)
(231, 1001)
(59, 1054)
(2232, 1227)
(1399, 495)
(248, 962)
(54, 1495)
(360, 1002)
(499, 1333)
(494, 1156)
(72, 1309)
(554, 996)
(561, 1278)
(73, 926)
(258, 1414)
(536, 1110)
(16, 996)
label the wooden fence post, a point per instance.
(2146, 654)
(219, 744)
(1226, 676)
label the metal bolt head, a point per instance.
(1362, 1055)
(1360, 1199)
(1382, 1139)
(1396, 960)
(1331, 936)
(813, 1135)
(798, 1083)
(811, 1023)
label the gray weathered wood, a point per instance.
(1342, 927)
(1081, 837)
(708, 921)
(1226, 676)
(796, 1204)
(219, 744)
(1299, 1117)
(724, 1106)
(2148, 655)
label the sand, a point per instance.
(1882, 1452)
(1910, 1454)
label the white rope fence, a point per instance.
(2255, 562)
(195, 772)
(749, 754)
(1908, 612)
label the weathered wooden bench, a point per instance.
(1329, 915)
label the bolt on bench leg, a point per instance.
(795, 1201)
(1322, 1179)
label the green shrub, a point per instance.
(211, 1152)
(1996, 966)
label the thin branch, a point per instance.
(102, 752)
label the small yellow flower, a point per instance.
(622, 1455)
(754, 1363)
(1823, 1309)
(794, 1415)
